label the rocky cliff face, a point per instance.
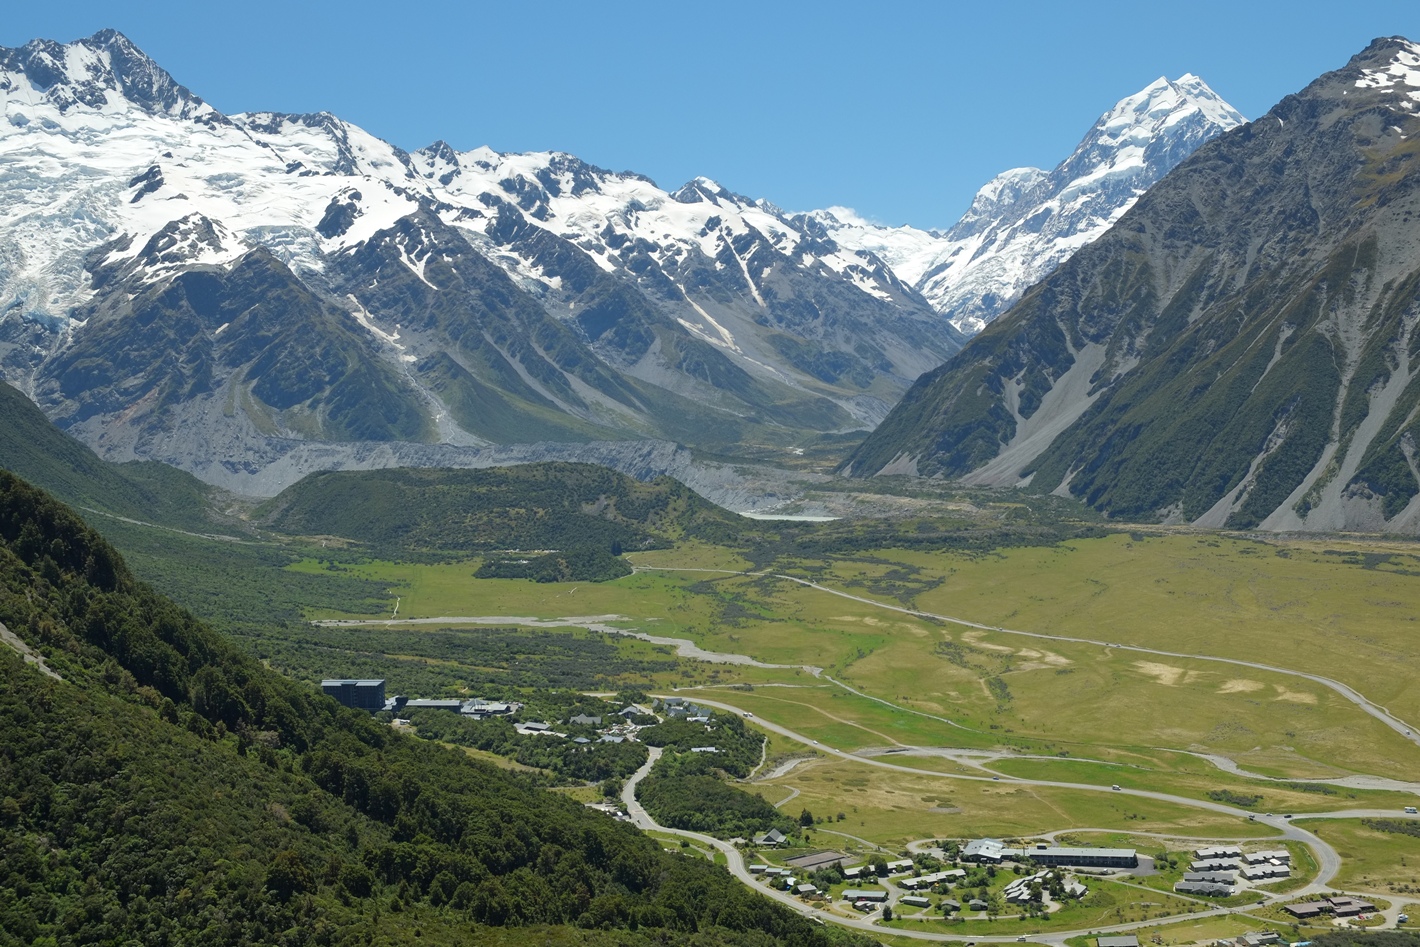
(1238, 350)
(183, 285)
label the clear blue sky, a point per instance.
(898, 109)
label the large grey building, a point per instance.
(993, 851)
(361, 695)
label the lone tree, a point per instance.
(806, 818)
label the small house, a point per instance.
(772, 837)
(1258, 939)
(1307, 909)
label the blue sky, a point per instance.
(898, 109)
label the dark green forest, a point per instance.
(32, 447)
(689, 790)
(532, 507)
(171, 790)
(582, 564)
(572, 762)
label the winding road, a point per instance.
(1375, 710)
(1328, 860)
(1326, 856)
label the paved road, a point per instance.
(1326, 856)
(736, 864)
(1375, 710)
(793, 794)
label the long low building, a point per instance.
(1214, 864)
(854, 895)
(994, 851)
(1220, 851)
(1206, 888)
(1084, 857)
(1276, 855)
(1211, 877)
(935, 878)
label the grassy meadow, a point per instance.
(892, 807)
(1068, 711)
(1372, 860)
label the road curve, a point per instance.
(1345, 690)
(1327, 857)
(1328, 861)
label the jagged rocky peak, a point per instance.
(703, 189)
(326, 143)
(104, 72)
(1026, 221)
(1391, 67)
(436, 162)
(996, 196)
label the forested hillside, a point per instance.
(170, 790)
(32, 447)
(530, 506)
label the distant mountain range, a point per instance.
(185, 285)
(221, 292)
(1238, 350)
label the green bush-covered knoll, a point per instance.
(170, 790)
(583, 564)
(687, 790)
(699, 802)
(550, 506)
(570, 761)
(737, 747)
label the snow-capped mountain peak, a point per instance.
(103, 73)
(467, 296)
(1025, 222)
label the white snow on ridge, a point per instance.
(1025, 222)
(89, 159)
(1403, 74)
